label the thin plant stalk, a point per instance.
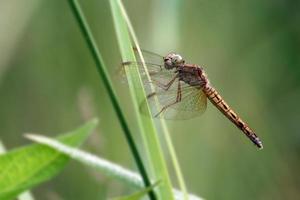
(89, 39)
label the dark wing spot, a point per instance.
(127, 63)
(151, 95)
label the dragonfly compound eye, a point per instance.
(177, 59)
(172, 60)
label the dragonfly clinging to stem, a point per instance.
(182, 91)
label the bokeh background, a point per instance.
(250, 51)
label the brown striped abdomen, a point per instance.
(218, 101)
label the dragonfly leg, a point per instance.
(178, 99)
(168, 85)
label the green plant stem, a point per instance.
(156, 161)
(107, 83)
(163, 124)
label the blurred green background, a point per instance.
(249, 49)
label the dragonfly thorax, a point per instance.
(173, 60)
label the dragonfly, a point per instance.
(181, 90)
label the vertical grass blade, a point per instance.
(153, 149)
(164, 127)
(89, 39)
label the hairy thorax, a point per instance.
(193, 75)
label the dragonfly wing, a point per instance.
(193, 100)
(192, 103)
(149, 56)
(154, 63)
(154, 66)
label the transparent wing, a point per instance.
(155, 66)
(150, 56)
(154, 63)
(192, 102)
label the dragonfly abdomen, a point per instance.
(218, 101)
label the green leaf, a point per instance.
(152, 147)
(108, 168)
(26, 167)
(165, 132)
(26, 195)
(138, 195)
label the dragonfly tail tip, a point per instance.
(259, 145)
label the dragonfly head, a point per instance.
(173, 60)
